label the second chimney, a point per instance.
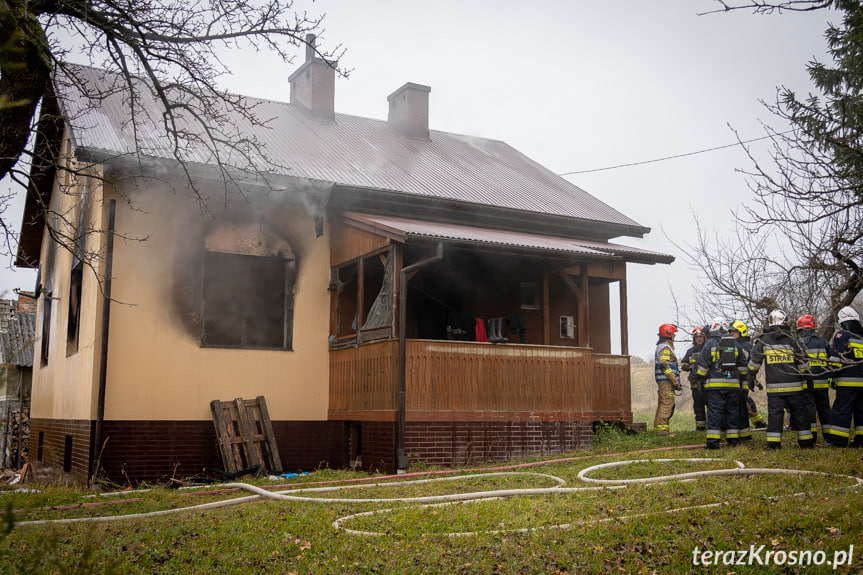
(409, 110)
(313, 85)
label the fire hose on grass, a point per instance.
(449, 499)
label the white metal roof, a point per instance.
(350, 151)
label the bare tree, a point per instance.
(799, 243)
(764, 266)
(763, 7)
(158, 49)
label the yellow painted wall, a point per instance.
(157, 369)
(66, 386)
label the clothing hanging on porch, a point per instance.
(517, 325)
(481, 334)
(459, 327)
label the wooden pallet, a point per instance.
(245, 434)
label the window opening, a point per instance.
(248, 301)
(377, 280)
(529, 296)
(46, 324)
(362, 296)
(73, 324)
(345, 282)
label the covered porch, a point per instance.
(412, 373)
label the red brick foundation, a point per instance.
(137, 451)
(467, 442)
(455, 443)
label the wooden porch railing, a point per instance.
(612, 391)
(464, 376)
(365, 378)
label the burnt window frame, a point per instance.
(73, 323)
(46, 327)
(239, 283)
(344, 317)
(79, 217)
(364, 283)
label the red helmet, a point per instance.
(806, 322)
(667, 330)
(698, 330)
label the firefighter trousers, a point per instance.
(818, 405)
(699, 406)
(722, 408)
(664, 407)
(847, 405)
(797, 405)
(743, 414)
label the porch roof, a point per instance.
(403, 229)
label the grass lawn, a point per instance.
(612, 528)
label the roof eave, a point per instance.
(390, 202)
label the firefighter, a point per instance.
(740, 333)
(721, 363)
(755, 418)
(817, 384)
(847, 349)
(784, 362)
(666, 372)
(689, 364)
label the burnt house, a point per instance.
(396, 293)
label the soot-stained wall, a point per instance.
(158, 367)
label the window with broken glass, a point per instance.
(362, 299)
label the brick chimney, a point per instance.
(409, 110)
(26, 302)
(313, 85)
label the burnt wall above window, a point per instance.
(235, 275)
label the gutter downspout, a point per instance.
(401, 457)
(103, 356)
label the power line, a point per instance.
(673, 157)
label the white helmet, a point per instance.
(719, 324)
(777, 317)
(848, 313)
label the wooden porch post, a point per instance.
(584, 311)
(624, 320)
(546, 320)
(404, 276)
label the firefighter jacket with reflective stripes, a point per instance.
(746, 344)
(818, 351)
(665, 362)
(783, 358)
(690, 358)
(848, 351)
(709, 364)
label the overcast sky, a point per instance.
(578, 85)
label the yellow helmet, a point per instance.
(740, 328)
